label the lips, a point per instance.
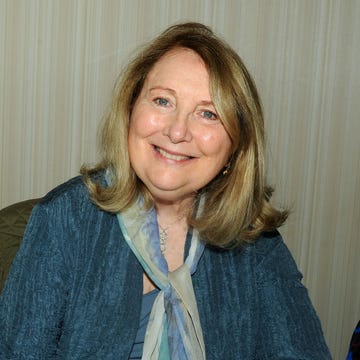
(171, 156)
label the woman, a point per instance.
(175, 221)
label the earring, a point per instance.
(226, 168)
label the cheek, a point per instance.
(132, 135)
(135, 122)
(138, 127)
(216, 143)
(143, 124)
(137, 132)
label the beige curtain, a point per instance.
(59, 60)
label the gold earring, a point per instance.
(226, 168)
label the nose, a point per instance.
(178, 128)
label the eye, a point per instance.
(209, 115)
(161, 101)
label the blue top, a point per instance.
(146, 306)
(75, 292)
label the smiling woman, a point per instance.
(168, 248)
(232, 97)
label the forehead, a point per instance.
(179, 63)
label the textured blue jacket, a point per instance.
(75, 290)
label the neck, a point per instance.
(170, 212)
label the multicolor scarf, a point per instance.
(174, 329)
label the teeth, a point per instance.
(172, 156)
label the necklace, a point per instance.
(163, 234)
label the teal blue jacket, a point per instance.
(75, 290)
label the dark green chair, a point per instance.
(13, 220)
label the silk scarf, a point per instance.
(174, 330)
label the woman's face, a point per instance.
(177, 144)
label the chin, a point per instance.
(170, 195)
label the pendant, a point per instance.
(163, 235)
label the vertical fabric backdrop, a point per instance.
(59, 60)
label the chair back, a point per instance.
(13, 220)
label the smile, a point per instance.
(171, 156)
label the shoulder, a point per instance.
(272, 258)
(70, 193)
(267, 257)
(67, 205)
(66, 198)
(71, 188)
(67, 220)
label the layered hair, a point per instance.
(236, 206)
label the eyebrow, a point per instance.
(203, 102)
(207, 103)
(162, 88)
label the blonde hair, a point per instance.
(236, 207)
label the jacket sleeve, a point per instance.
(33, 299)
(289, 327)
